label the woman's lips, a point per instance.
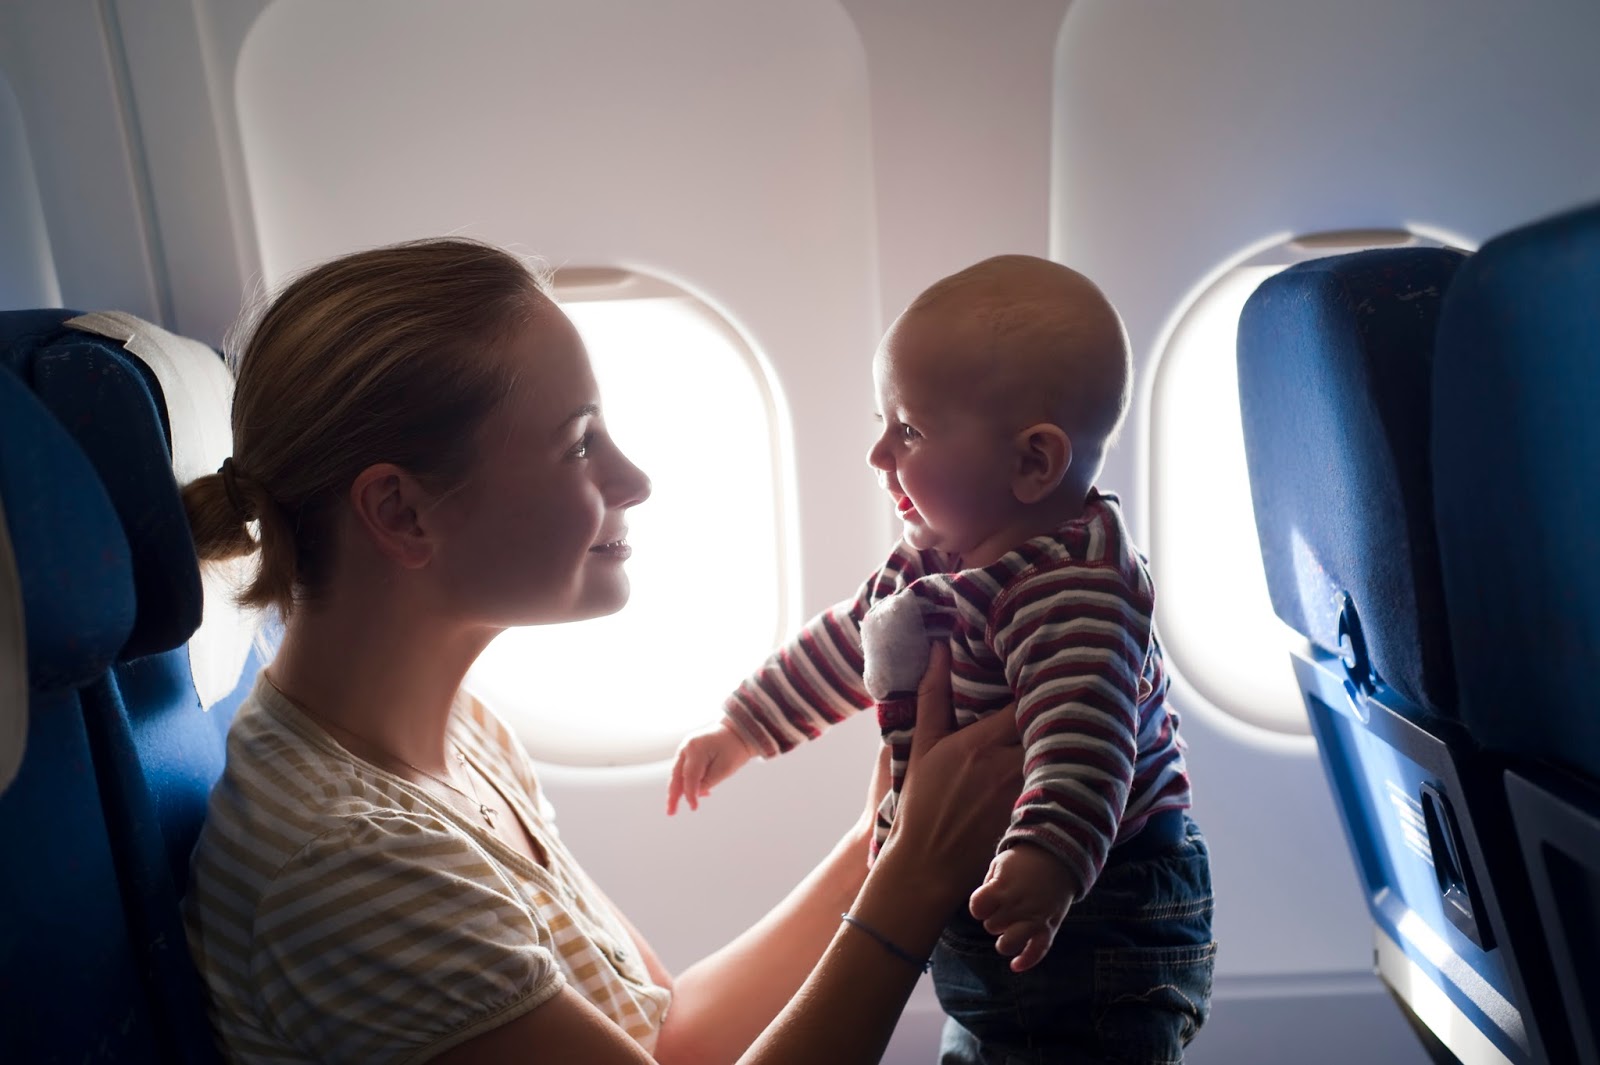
(905, 505)
(617, 549)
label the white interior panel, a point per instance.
(180, 128)
(27, 269)
(960, 133)
(63, 65)
(722, 144)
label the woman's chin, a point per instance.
(587, 605)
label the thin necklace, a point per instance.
(487, 812)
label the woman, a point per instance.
(420, 450)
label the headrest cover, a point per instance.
(71, 557)
(1335, 359)
(198, 392)
(1516, 451)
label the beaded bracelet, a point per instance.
(888, 944)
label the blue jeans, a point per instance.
(1127, 981)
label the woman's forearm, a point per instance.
(768, 990)
(721, 1003)
(847, 1010)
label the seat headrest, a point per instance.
(104, 401)
(1516, 452)
(73, 575)
(1335, 360)
(23, 331)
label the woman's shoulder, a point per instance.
(313, 863)
(286, 786)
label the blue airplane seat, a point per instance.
(1335, 369)
(1516, 453)
(157, 750)
(101, 399)
(70, 974)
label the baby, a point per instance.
(999, 389)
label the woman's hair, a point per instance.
(388, 355)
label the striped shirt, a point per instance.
(339, 913)
(1063, 627)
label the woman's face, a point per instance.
(538, 534)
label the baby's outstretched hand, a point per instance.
(1022, 903)
(705, 759)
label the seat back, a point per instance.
(157, 750)
(1334, 370)
(71, 979)
(1516, 453)
(1335, 376)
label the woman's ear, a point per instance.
(388, 503)
(1043, 456)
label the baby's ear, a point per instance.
(1043, 456)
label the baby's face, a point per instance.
(945, 453)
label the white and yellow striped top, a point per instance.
(339, 913)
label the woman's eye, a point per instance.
(580, 450)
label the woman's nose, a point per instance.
(630, 485)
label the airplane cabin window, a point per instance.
(684, 397)
(1221, 635)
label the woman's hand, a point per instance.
(960, 784)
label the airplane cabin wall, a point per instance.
(27, 268)
(62, 64)
(805, 167)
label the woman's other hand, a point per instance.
(960, 784)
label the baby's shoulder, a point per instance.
(1058, 579)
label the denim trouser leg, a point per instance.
(1127, 982)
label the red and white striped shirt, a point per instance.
(1062, 626)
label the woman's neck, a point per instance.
(385, 673)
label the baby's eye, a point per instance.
(908, 434)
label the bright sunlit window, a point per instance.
(1212, 601)
(1213, 608)
(684, 397)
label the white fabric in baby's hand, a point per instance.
(894, 645)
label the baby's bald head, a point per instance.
(1036, 340)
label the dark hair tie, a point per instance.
(230, 484)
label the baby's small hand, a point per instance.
(705, 759)
(1022, 903)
